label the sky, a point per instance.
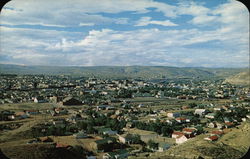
(179, 33)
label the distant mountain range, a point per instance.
(144, 72)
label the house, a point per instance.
(110, 108)
(220, 125)
(189, 132)
(32, 112)
(210, 115)
(212, 125)
(59, 122)
(141, 105)
(40, 99)
(217, 109)
(129, 125)
(200, 112)
(181, 119)
(11, 117)
(123, 139)
(181, 139)
(175, 134)
(7, 115)
(160, 94)
(102, 107)
(105, 131)
(71, 101)
(229, 124)
(173, 115)
(212, 138)
(217, 132)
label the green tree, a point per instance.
(152, 144)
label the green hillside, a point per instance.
(145, 72)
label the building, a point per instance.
(175, 134)
(40, 99)
(212, 138)
(173, 115)
(181, 139)
(189, 132)
(210, 115)
(200, 112)
(217, 132)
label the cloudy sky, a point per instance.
(199, 33)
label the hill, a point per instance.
(145, 72)
(242, 78)
(231, 145)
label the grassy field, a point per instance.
(27, 106)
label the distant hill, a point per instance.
(242, 78)
(145, 72)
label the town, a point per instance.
(121, 118)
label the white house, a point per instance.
(181, 139)
(200, 112)
(210, 115)
(173, 115)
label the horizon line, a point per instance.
(119, 66)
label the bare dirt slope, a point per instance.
(242, 78)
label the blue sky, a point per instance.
(199, 33)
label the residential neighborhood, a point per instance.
(107, 119)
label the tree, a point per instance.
(166, 131)
(134, 138)
(152, 144)
(192, 105)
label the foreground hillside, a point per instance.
(242, 78)
(150, 72)
(232, 145)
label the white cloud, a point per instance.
(147, 20)
(110, 47)
(60, 12)
(86, 24)
(228, 44)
